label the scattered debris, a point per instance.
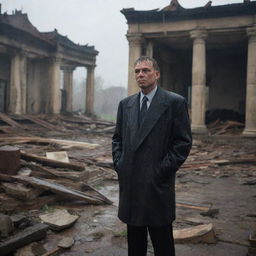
(198, 234)
(61, 156)
(6, 225)
(28, 235)
(59, 219)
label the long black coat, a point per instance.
(147, 158)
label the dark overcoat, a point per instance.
(146, 158)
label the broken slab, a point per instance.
(198, 234)
(59, 219)
(66, 242)
(61, 156)
(28, 235)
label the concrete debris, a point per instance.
(198, 234)
(61, 156)
(6, 225)
(59, 219)
(66, 242)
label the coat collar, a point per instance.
(156, 109)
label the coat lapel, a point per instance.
(133, 111)
(156, 109)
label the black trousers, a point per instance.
(161, 237)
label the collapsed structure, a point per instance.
(207, 54)
(30, 66)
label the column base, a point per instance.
(249, 132)
(199, 129)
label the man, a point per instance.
(151, 141)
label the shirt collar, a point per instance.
(150, 95)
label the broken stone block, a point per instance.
(20, 221)
(59, 219)
(20, 191)
(198, 234)
(10, 160)
(6, 225)
(66, 242)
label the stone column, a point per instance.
(68, 87)
(250, 116)
(54, 87)
(18, 85)
(135, 44)
(198, 81)
(89, 103)
(150, 49)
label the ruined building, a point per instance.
(207, 54)
(30, 67)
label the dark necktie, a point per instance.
(143, 109)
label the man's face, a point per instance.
(146, 76)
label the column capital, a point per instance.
(68, 68)
(251, 32)
(198, 34)
(134, 39)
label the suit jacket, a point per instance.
(146, 158)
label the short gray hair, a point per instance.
(146, 58)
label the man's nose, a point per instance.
(141, 73)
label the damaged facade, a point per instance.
(30, 66)
(206, 54)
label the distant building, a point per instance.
(207, 54)
(30, 66)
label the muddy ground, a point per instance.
(212, 178)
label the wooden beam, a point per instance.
(27, 236)
(50, 162)
(9, 121)
(61, 190)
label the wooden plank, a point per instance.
(69, 143)
(40, 122)
(28, 235)
(61, 190)
(50, 162)
(9, 121)
(190, 206)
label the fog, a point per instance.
(94, 22)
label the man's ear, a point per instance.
(157, 75)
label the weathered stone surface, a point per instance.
(6, 225)
(59, 219)
(9, 159)
(198, 234)
(66, 242)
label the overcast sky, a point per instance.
(95, 22)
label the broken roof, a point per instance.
(175, 11)
(18, 22)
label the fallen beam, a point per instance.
(61, 190)
(28, 235)
(49, 162)
(9, 121)
(66, 143)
